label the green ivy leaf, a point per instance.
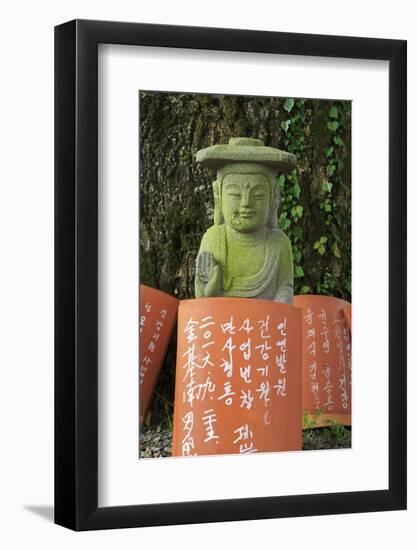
(284, 222)
(316, 245)
(334, 113)
(330, 170)
(298, 232)
(328, 151)
(322, 250)
(297, 212)
(337, 140)
(305, 289)
(327, 186)
(327, 207)
(298, 272)
(285, 124)
(323, 239)
(296, 254)
(296, 189)
(281, 182)
(333, 126)
(336, 250)
(288, 104)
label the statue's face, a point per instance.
(246, 201)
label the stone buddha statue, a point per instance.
(245, 254)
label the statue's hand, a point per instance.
(208, 275)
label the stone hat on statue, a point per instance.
(246, 155)
(246, 150)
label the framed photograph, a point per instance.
(230, 255)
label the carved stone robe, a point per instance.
(273, 281)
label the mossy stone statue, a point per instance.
(244, 254)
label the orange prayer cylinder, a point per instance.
(347, 310)
(326, 359)
(238, 377)
(157, 316)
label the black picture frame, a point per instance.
(76, 272)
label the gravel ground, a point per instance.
(326, 438)
(156, 443)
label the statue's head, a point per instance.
(246, 191)
(246, 197)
